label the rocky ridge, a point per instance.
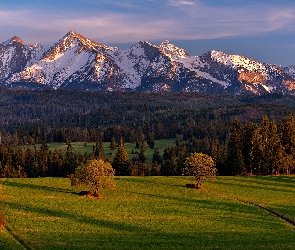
(76, 62)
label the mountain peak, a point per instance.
(172, 50)
(72, 38)
(15, 39)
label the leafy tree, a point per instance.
(95, 175)
(201, 166)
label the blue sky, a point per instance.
(262, 30)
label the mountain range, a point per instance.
(75, 62)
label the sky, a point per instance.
(263, 30)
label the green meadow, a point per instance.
(82, 148)
(148, 213)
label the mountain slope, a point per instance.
(15, 56)
(79, 63)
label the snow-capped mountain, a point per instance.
(15, 56)
(77, 62)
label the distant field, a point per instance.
(80, 147)
(149, 213)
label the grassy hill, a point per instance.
(149, 213)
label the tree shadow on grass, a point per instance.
(259, 185)
(195, 204)
(155, 180)
(72, 216)
(159, 237)
(280, 180)
(37, 187)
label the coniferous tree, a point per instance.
(272, 148)
(234, 158)
(113, 143)
(70, 161)
(247, 144)
(256, 152)
(99, 152)
(121, 163)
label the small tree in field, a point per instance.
(95, 175)
(201, 166)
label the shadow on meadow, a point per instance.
(15, 184)
(157, 180)
(160, 237)
(265, 185)
(281, 180)
(147, 235)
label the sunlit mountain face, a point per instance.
(75, 62)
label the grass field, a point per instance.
(149, 213)
(81, 148)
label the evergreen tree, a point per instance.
(234, 158)
(99, 152)
(256, 152)
(272, 148)
(70, 161)
(113, 143)
(247, 144)
(156, 157)
(121, 163)
(169, 165)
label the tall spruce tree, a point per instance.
(121, 163)
(247, 144)
(272, 148)
(99, 152)
(234, 158)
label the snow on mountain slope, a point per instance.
(172, 50)
(77, 62)
(133, 63)
(15, 56)
(61, 61)
(289, 70)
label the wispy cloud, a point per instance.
(181, 3)
(171, 19)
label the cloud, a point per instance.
(181, 3)
(170, 19)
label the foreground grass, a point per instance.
(150, 213)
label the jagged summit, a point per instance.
(172, 50)
(14, 39)
(77, 62)
(17, 40)
(71, 36)
(74, 42)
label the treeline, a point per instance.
(39, 162)
(29, 117)
(265, 148)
